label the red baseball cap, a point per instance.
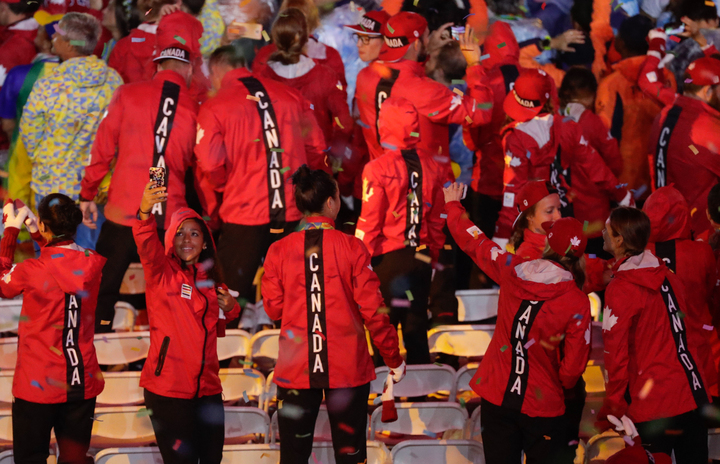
(371, 23)
(531, 91)
(566, 235)
(178, 37)
(531, 193)
(400, 31)
(705, 71)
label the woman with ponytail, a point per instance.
(57, 376)
(522, 376)
(319, 281)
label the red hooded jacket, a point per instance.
(56, 361)
(183, 312)
(249, 143)
(540, 307)
(437, 105)
(402, 189)
(132, 55)
(550, 147)
(652, 352)
(502, 69)
(332, 58)
(319, 281)
(693, 262)
(597, 135)
(143, 120)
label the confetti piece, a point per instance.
(346, 428)
(530, 343)
(180, 39)
(87, 252)
(484, 106)
(290, 334)
(266, 36)
(447, 246)
(409, 295)
(693, 149)
(617, 6)
(443, 216)
(505, 347)
(468, 119)
(36, 384)
(395, 214)
(57, 255)
(458, 81)
(337, 121)
(59, 30)
(398, 303)
(694, 210)
(285, 169)
(392, 31)
(415, 2)
(277, 231)
(709, 3)
(688, 80)
(484, 57)
(303, 436)
(471, 14)
(423, 258)
(414, 134)
(138, 39)
(459, 92)
(478, 380)
(503, 44)
(105, 322)
(245, 397)
(645, 391)
(253, 97)
(429, 433)
(277, 150)
(434, 113)
(177, 444)
(578, 316)
(144, 412)
(708, 327)
(56, 351)
(462, 403)
(135, 348)
(256, 140)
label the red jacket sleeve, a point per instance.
(577, 344)
(483, 251)
(374, 206)
(597, 171)
(436, 222)
(210, 152)
(272, 285)
(315, 144)
(602, 141)
(12, 276)
(104, 148)
(517, 173)
(150, 248)
(335, 62)
(366, 290)
(342, 121)
(651, 81)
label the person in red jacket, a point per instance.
(655, 351)
(148, 124)
(521, 378)
(249, 136)
(186, 304)
(57, 376)
(400, 222)
(539, 144)
(693, 262)
(537, 202)
(399, 72)
(316, 82)
(319, 281)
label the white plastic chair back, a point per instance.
(265, 344)
(122, 347)
(251, 454)
(125, 315)
(464, 376)
(6, 431)
(714, 444)
(10, 314)
(6, 380)
(322, 432)
(377, 453)
(438, 452)
(474, 429)
(122, 426)
(475, 305)
(8, 352)
(6, 457)
(420, 380)
(241, 421)
(429, 419)
(236, 342)
(460, 340)
(141, 455)
(133, 282)
(121, 389)
(270, 395)
(240, 383)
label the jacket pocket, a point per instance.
(161, 356)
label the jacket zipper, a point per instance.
(202, 363)
(161, 356)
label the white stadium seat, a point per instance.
(236, 342)
(121, 347)
(475, 305)
(240, 383)
(121, 389)
(420, 380)
(241, 422)
(438, 452)
(10, 314)
(460, 340)
(6, 380)
(8, 352)
(377, 453)
(463, 377)
(122, 426)
(265, 344)
(430, 419)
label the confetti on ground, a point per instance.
(693, 149)
(180, 39)
(253, 97)
(646, 389)
(251, 373)
(409, 295)
(266, 36)
(414, 134)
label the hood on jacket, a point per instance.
(72, 266)
(541, 279)
(669, 215)
(399, 124)
(630, 68)
(85, 71)
(644, 270)
(500, 32)
(178, 217)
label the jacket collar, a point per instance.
(317, 221)
(172, 76)
(231, 77)
(697, 105)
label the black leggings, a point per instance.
(686, 434)
(188, 431)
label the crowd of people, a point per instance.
(356, 164)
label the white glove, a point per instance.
(31, 222)
(11, 218)
(398, 373)
(624, 424)
(628, 200)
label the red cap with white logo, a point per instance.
(531, 91)
(371, 23)
(566, 236)
(400, 32)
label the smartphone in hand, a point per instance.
(158, 176)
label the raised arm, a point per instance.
(150, 247)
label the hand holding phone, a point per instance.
(157, 175)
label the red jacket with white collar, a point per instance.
(321, 54)
(554, 148)
(652, 351)
(320, 283)
(183, 312)
(143, 120)
(437, 105)
(540, 307)
(132, 55)
(56, 360)
(250, 140)
(597, 135)
(402, 189)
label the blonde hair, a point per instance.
(312, 16)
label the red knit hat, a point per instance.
(371, 23)
(532, 90)
(705, 71)
(637, 455)
(566, 235)
(400, 32)
(531, 193)
(178, 37)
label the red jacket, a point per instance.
(183, 314)
(56, 359)
(684, 127)
(652, 352)
(320, 283)
(326, 93)
(693, 262)
(136, 124)
(132, 55)
(324, 54)
(402, 189)
(437, 105)
(598, 136)
(238, 148)
(540, 307)
(550, 147)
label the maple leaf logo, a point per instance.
(367, 193)
(457, 99)
(609, 320)
(587, 336)
(8, 277)
(583, 141)
(494, 253)
(575, 242)
(515, 162)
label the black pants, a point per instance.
(347, 410)
(686, 434)
(507, 433)
(32, 423)
(574, 404)
(188, 431)
(400, 272)
(117, 244)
